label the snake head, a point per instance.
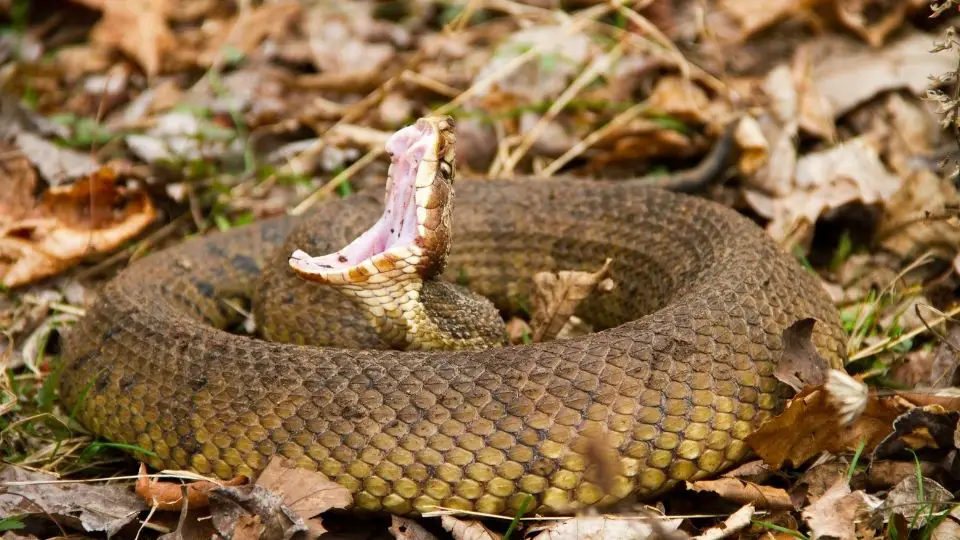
(412, 238)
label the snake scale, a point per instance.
(676, 375)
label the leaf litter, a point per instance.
(129, 126)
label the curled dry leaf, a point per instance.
(170, 495)
(923, 427)
(558, 295)
(467, 530)
(810, 424)
(737, 521)
(606, 527)
(88, 507)
(842, 514)
(93, 215)
(744, 492)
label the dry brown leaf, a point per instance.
(810, 424)
(341, 41)
(907, 499)
(558, 295)
(849, 74)
(252, 508)
(93, 215)
(604, 527)
(744, 492)
(820, 477)
(307, 493)
(929, 426)
(89, 507)
(921, 215)
(169, 495)
(864, 18)
(56, 165)
(243, 34)
(850, 172)
(883, 475)
(19, 181)
(543, 77)
(679, 98)
(842, 514)
(518, 331)
(801, 364)
(408, 529)
(138, 28)
(467, 530)
(737, 521)
(751, 19)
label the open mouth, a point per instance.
(398, 236)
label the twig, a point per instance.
(328, 188)
(592, 138)
(887, 343)
(598, 66)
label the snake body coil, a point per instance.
(678, 375)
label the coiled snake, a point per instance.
(677, 374)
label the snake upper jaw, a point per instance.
(412, 236)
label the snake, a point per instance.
(381, 362)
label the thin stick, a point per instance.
(582, 19)
(598, 66)
(592, 138)
(328, 188)
(888, 343)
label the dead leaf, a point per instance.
(737, 521)
(923, 427)
(872, 26)
(518, 331)
(744, 492)
(234, 508)
(56, 164)
(243, 34)
(558, 295)
(883, 475)
(921, 215)
(138, 28)
(810, 425)
(751, 20)
(169, 495)
(19, 181)
(603, 527)
(801, 365)
(467, 530)
(908, 500)
(848, 74)
(849, 172)
(88, 507)
(307, 493)
(842, 514)
(93, 215)
(562, 54)
(408, 529)
(936, 368)
(820, 477)
(679, 98)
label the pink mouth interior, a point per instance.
(398, 224)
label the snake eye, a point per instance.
(446, 170)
